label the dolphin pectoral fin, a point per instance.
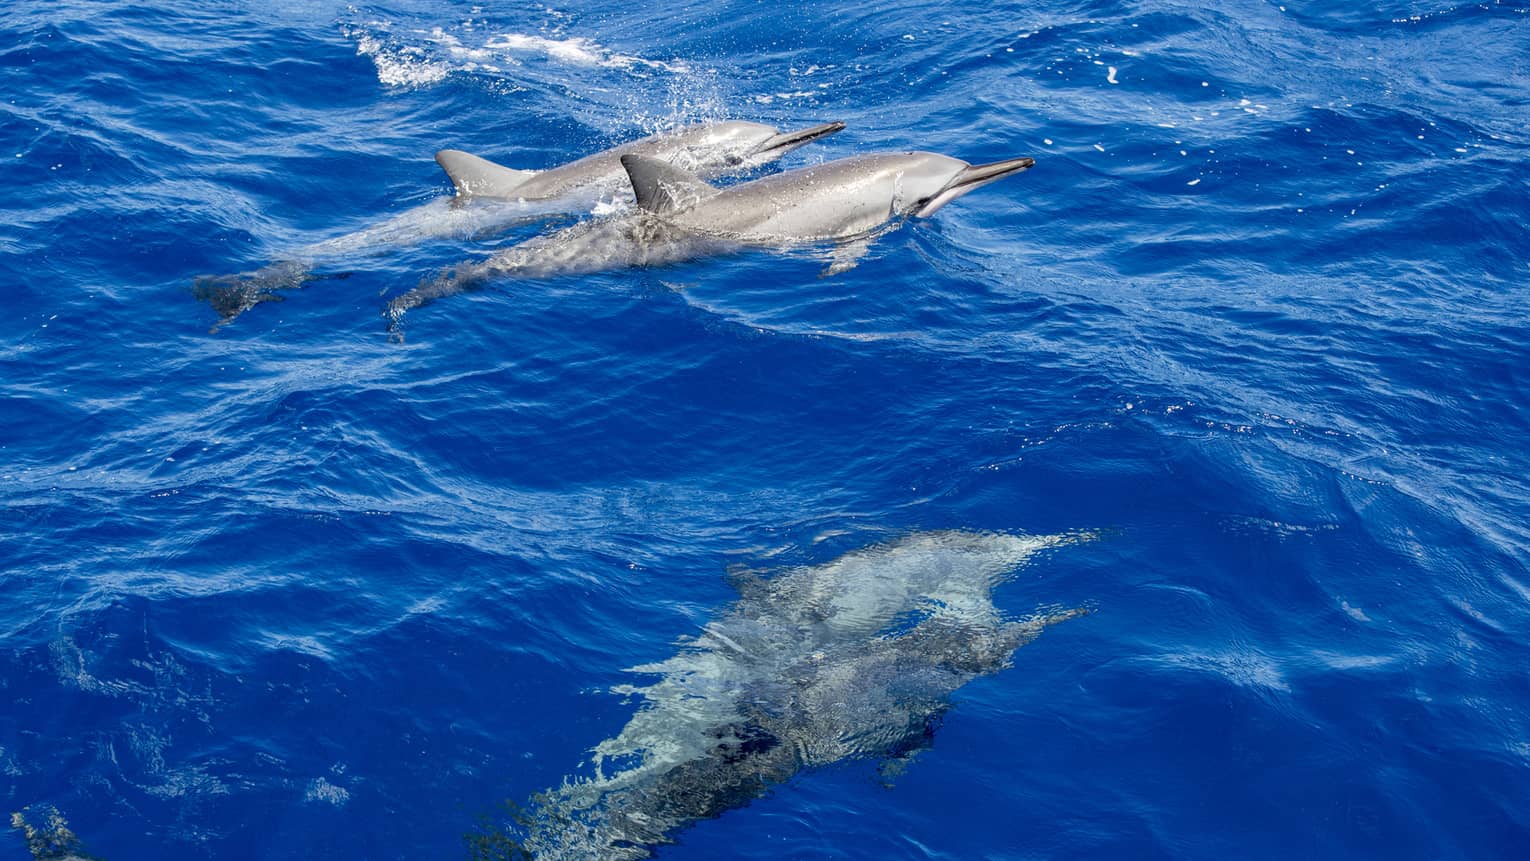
(748, 582)
(661, 187)
(845, 257)
(919, 739)
(472, 175)
(892, 769)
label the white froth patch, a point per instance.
(300, 643)
(576, 51)
(320, 789)
(401, 66)
(1245, 669)
(1354, 663)
(422, 57)
(1354, 612)
(607, 207)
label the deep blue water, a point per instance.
(1258, 315)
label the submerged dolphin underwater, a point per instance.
(679, 216)
(491, 198)
(856, 658)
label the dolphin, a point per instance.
(679, 216)
(49, 838)
(490, 198)
(708, 149)
(853, 659)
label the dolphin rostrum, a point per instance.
(491, 198)
(853, 659)
(680, 216)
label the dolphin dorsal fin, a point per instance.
(661, 187)
(473, 175)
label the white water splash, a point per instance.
(401, 65)
(420, 57)
(322, 790)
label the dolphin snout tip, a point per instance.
(979, 174)
(1012, 165)
(815, 132)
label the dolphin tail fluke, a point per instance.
(1048, 618)
(471, 175)
(458, 279)
(1080, 536)
(232, 295)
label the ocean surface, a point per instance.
(1257, 321)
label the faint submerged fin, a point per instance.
(845, 256)
(661, 187)
(473, 175)
(901, 757)
(750, 583)
(489, 841)
(51, 840)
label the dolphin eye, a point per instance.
(733, 158)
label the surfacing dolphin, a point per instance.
(47, 834)
(709, 149)
(680, 216)
(853, 659)
(491, 198)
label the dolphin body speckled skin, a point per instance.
(856, 658)
(679, 217)
(491, 198)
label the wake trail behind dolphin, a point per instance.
(452, 218)
(632, 238)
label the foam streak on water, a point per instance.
(1256, 319)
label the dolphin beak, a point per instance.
(971, 177)
(978, 174)
(788, 141)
